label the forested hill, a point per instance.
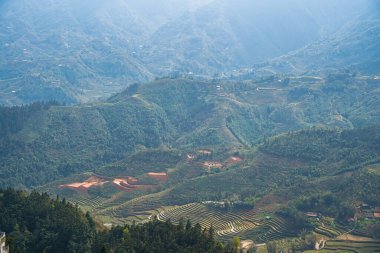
(51, 142)
(34, 223)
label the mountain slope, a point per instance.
(281, 170)
(58, 141)
(355, 47)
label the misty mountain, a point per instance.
(355, 46)
(73, 51)
(233, 34)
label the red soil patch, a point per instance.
(84, 186)
(161, 176)
(130, 184)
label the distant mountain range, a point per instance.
(83, 51)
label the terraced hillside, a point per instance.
(353, 246)
(335, 246)
(253, 224)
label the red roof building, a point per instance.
(376, 215)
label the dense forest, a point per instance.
(36, 223)
(156, 236)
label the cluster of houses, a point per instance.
(3, 246)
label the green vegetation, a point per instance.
(156, 236)
(58, 141)
(36, 223)
(284, 159)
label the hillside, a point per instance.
(303, 159)
(317, 170)
(61, 140)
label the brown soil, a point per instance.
(161, 176)
(129, 184)
(84, 186)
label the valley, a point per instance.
(242, 157)
(190, 126)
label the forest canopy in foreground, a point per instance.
(36, 223)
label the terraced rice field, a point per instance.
(329, 232)
(353, 246)
(88, 202)
(336, 246)
(227, 224)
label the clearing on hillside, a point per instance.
(161, 176)
(130, 184)
(84, 186)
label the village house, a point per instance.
(3, 247)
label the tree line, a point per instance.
(36, 223)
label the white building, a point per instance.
(3, 247)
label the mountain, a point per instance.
(227, 35)
(258, 121)
(77, 52)
(51, 142)
(355, 46)
(69, 51)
